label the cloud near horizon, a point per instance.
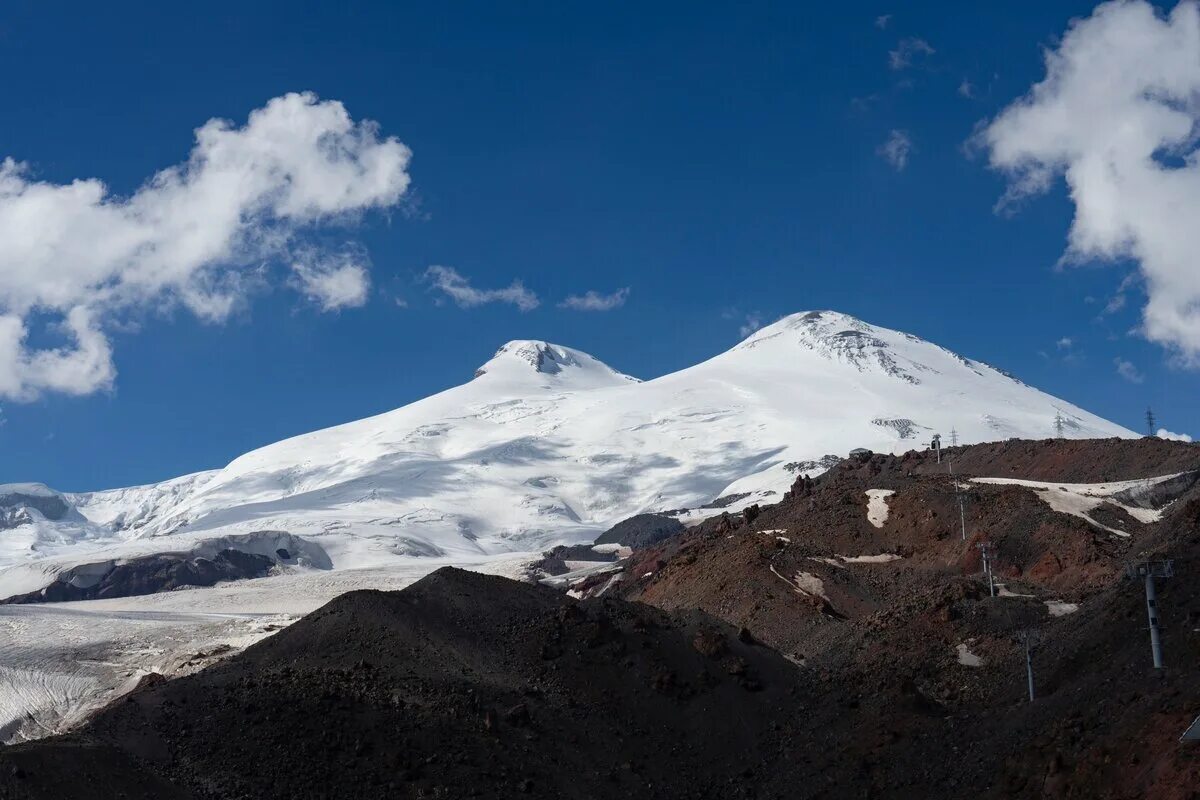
(201, 235)
(592, 300)
(1118, 116)
(455, 285)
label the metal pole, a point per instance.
(1029, 666)
(1152, 611)
(985, 550)
(962, 518)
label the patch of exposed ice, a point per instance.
(1058, 608)
(1079, 499)
(877, 507)
(812, 585)
(1003, 591)
(881, 558)
(966, 657)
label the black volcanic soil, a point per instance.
(462, 685)
(471, 686)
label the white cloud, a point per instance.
(82, 368)
(1163, 433)
(907, 51)
(196, 235)
(1128, 371)
(333, 281)
(966, 89)
(896, 149)
(1117, 115)
(455, 286)
(1065, 343)
(753, 322)
(882, 21)
(594, 301)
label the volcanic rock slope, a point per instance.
(864, 579)
(462, 685)
(824, 647)
(549, 445)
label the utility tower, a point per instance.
(1028, 638)
(1151, 427)
(953, 437)
(1148, 571)
(1058, 425)
(987, 551)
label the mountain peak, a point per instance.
(839, 337)
(816, 324)
(522, 358)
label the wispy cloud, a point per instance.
(896, 149)
(1128, 371)
(594, 301)
(203, 235)
(454, 285)
(908, 51)
(882, 21)
(966, 89)
(752, 322)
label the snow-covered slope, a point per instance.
(548, 444)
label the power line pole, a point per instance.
(1148, 571)
(962, 516)
(986, 550)
(1151, 428)
(1027, 638)
(953, 437)
(1058, 425)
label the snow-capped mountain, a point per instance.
(548, 444)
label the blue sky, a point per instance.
(726, 164)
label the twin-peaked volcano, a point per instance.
(548, 444)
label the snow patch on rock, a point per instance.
(877, 507)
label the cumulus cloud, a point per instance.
(197, 235)
(454, 285)
(333, 281)
(1128, 371)
(1118, 115)
(896, 150)
(1163, 433)
(594, 301)
(907, 51)
(882, 21)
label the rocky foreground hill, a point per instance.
(841, 643)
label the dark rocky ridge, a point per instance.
(16, 500)
(462, 685)
(209, 561)
(147, 575)
(643, 530)
(465, 685)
